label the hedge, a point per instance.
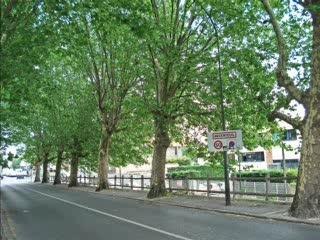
(205, 171)
(291, 174)
(195, 172)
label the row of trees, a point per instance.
(96, 83)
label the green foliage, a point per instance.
(181, 161)
(16, 163)
(24, 46)
(164, 65)
(291, 174)
(3, 162)
(195, 172)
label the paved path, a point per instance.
(46, 212)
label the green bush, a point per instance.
(182, 161)
(291, 174)
(195, 172)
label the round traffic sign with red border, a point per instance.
(217, 144)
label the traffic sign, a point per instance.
(217, 144)
(225, 140)
(232, 144)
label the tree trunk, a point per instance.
(162, 142)
(37, 177)
(75, 159)
(45, 174)
(73, 182)
(104, 148)
(57, 177)
(306, 202)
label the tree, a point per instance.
(23, 46)
(118, 56)
(57, 176)
(72, 121)
(307, 197)
(32, 155)
(108, 55)
(177, 40)
(179, 52)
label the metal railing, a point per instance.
(263, 188)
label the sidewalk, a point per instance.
(257, 209)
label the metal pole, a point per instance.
(284, 169)
(283, 160)
(240, 157)
(223, 120)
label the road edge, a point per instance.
(7, 229)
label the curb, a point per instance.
(245, 214)
(298, 221)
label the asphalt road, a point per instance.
(43, 212)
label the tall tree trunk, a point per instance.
(73, 182)
(161, 144)
(57, 177)
(104, 148)
(75, 159)
(45, 173)
(306, 202)
(37, 177)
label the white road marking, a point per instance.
(113, 216)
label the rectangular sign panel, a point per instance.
(225, 140)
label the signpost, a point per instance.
(223, 141)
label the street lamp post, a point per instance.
(223, 120)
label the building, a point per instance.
(261, 158)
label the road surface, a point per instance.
(41, 212)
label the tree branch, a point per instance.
(9, 7)
(282, 76)
(296, 122)
(155, 10)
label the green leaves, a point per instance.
(135, 61)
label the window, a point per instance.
(290, 135)
(253, 157)
(290, 163)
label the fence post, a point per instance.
(131, 182)
(187, 185)
(170, 183)
(80, 179)
(208, 186)
(285, 187)
(245, 185)
(115, 181)
(267, 186)
(233, 186)
(142, 182)
(122, 181)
